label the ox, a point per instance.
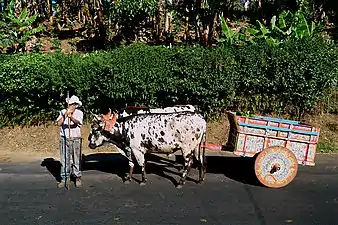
(155, 131)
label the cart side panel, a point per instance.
(240, 142)
(311, 155)
(253, 143)
(253, 135)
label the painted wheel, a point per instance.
(276, 166)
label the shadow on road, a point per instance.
(53, 166)
(235, 168)
(240, 169)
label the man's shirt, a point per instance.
(75, 130)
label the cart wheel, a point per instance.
(276, 166)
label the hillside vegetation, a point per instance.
(271, 57)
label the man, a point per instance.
(75, 116)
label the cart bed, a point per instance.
(251, 135)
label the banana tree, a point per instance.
(263, 33)
(302, 28)
(287, 25)
(295, 25)
(281, 26)
(229, 36)
(15, 31)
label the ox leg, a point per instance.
(188, 160)
(140, 157)
(131, 166)
(144, 178)
(130, 175)
(202, 167)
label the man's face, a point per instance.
(73, 106)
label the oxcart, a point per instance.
(277, 145)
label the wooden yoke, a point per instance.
(110, 120)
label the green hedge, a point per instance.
(288, 79)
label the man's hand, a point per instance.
(68, 114)
(70, 110)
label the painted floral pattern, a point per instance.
(300, 137)
(299, 149)
(276, 142)
(254, 144)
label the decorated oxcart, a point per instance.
(277, 145)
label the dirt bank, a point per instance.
(22, 144)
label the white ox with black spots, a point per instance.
(155, 131)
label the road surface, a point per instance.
(230, 195)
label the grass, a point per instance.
(327, 147)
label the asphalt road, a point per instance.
(230, 195)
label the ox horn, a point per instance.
(96, 117)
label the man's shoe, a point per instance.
(61, 184)
(78, 182)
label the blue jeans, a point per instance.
(75, 151)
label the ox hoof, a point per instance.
(128, 181)
(201, 182)
(180, 185)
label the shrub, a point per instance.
(288, 79)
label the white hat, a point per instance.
(74, 99)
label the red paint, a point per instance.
(212, 146)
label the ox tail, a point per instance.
(201, 157)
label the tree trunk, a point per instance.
(101, 28)
(159, 19)
(168, 19)
(167, 22)
(260, 11)
(208, 20)
(205, 34)
(50, 8)
(186, 29)
(212, 26)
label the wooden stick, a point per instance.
(68, 143)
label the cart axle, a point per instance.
(275, 168)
